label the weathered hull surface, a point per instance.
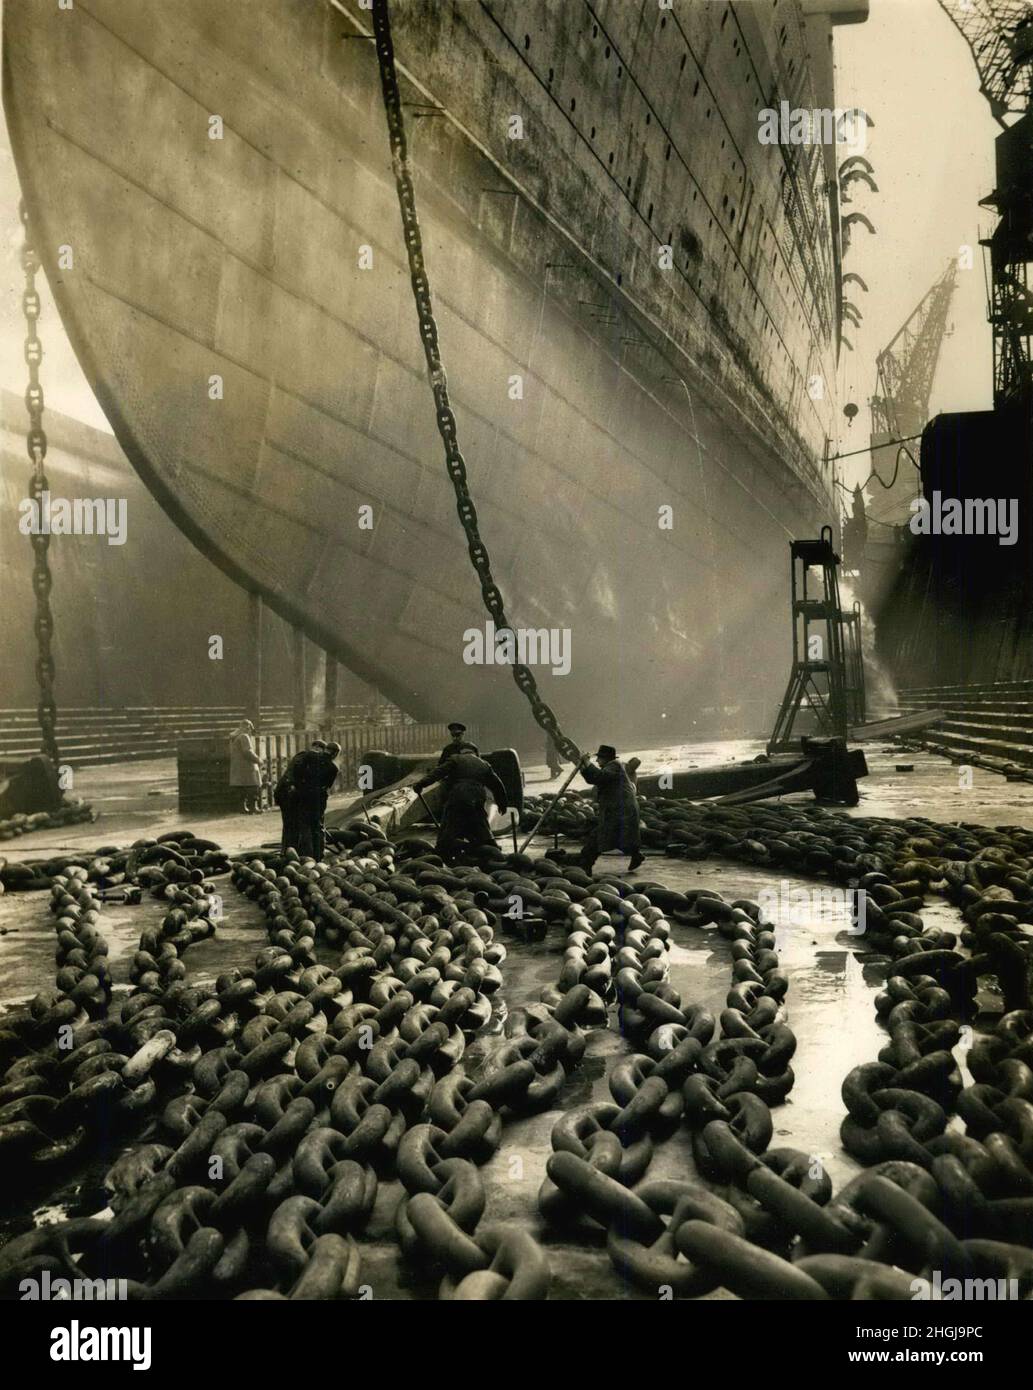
(642, 387)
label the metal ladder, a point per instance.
(819, 681)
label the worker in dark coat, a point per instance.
(328, 772)
(618, 823)
(457, 744)
(464, 815)
(301, 794)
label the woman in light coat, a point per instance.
(246, 766)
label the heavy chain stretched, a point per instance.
(454, 461)
(36, 444)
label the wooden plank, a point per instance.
(902, 724)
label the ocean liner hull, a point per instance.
(641, 438)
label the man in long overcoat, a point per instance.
(464, 815)
(618, 825)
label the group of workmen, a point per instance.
(468, 777)
(303, 789)
(302, 793)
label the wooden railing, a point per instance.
(276, 750)
(134, 732)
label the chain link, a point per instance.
(454, 461)
(36, 444)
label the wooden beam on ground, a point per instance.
(901, 724)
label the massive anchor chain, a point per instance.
(349, 1073)
(73, 812)
(176, 858)
(718, 1086)
(75, 1076)
(444, 414)
(934, 1201)
(525, 1074)
(173, 868)
(389, 1045)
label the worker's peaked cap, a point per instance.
(457, 728)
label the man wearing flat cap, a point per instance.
(618, 825)
(458, 743)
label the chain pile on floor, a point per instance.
(71, 813)
(261, 1113)
(177, 857)
(291, 1118)
(987, 871)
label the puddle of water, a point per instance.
(578, 1089)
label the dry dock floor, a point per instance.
(829, 1007)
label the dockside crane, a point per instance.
(906, 365)
(900, 406)
(1000, 36)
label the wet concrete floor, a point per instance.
(829, 1006)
